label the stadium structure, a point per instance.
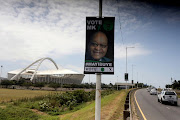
(32, 72)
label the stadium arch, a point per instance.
(57, 76)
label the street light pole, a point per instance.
(132, 72)
(1, 71)
(117, 82)
(126, 63)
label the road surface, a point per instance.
(151, 109)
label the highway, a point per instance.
(151, 109)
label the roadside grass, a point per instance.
(111, 108)
(17, 113)
(14, 94)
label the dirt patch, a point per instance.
(39, 112)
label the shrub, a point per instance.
(15, 113)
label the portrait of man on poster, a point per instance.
(98, 47)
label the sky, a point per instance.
(33, 29)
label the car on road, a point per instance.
(168, 97)
(153, 91)
(149, 89)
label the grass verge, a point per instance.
(111, 108)
(14, 94)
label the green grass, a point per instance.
(16, 113)
(14, 94)
(88, 112)
(111, 108)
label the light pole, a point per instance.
(132, 72)
(1, 71)
(126, 65)
(137, 79)
(117, 82)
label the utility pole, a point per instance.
(98, 82)
(1, 72)
(137, 79)
(126, 65)
(117, 82)
(132, 73)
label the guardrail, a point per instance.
(127, 107)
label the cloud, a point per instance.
(32, 29)
(138, 50)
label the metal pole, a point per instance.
(117, 82)
(89, 81)
(126, 63)
(132, 72)
(126, 59)
(98, 82)
(98, 97)
(132, 75)
(126, 66)
(137, 79)
(1, 71)
(100, 8)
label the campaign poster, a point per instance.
(99, 54)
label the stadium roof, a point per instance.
(44, 72)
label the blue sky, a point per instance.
(31, 29)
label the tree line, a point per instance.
(174, 85)
(27, 83)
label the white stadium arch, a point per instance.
(58, 76)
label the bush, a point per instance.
(54, 85)
(56, 103)
(15, 113)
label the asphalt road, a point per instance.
(153, 110)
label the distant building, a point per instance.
(63, 76)
(123, 85)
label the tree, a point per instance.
(54, 85)
(176, 84)
(6, 83)
(39, 84)
(27, 84)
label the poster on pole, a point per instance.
(99, 54)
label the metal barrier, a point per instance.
(127, 107)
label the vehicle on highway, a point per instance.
(149, 89)
(168, 96)
(153, 91)
(167, 89)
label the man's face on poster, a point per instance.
(98, 46)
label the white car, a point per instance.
(153, 91)
(148, 89)
(168, 96)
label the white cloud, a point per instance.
(120, 50)
(41, 30)
(30, 30)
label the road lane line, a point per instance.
(140, 108)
